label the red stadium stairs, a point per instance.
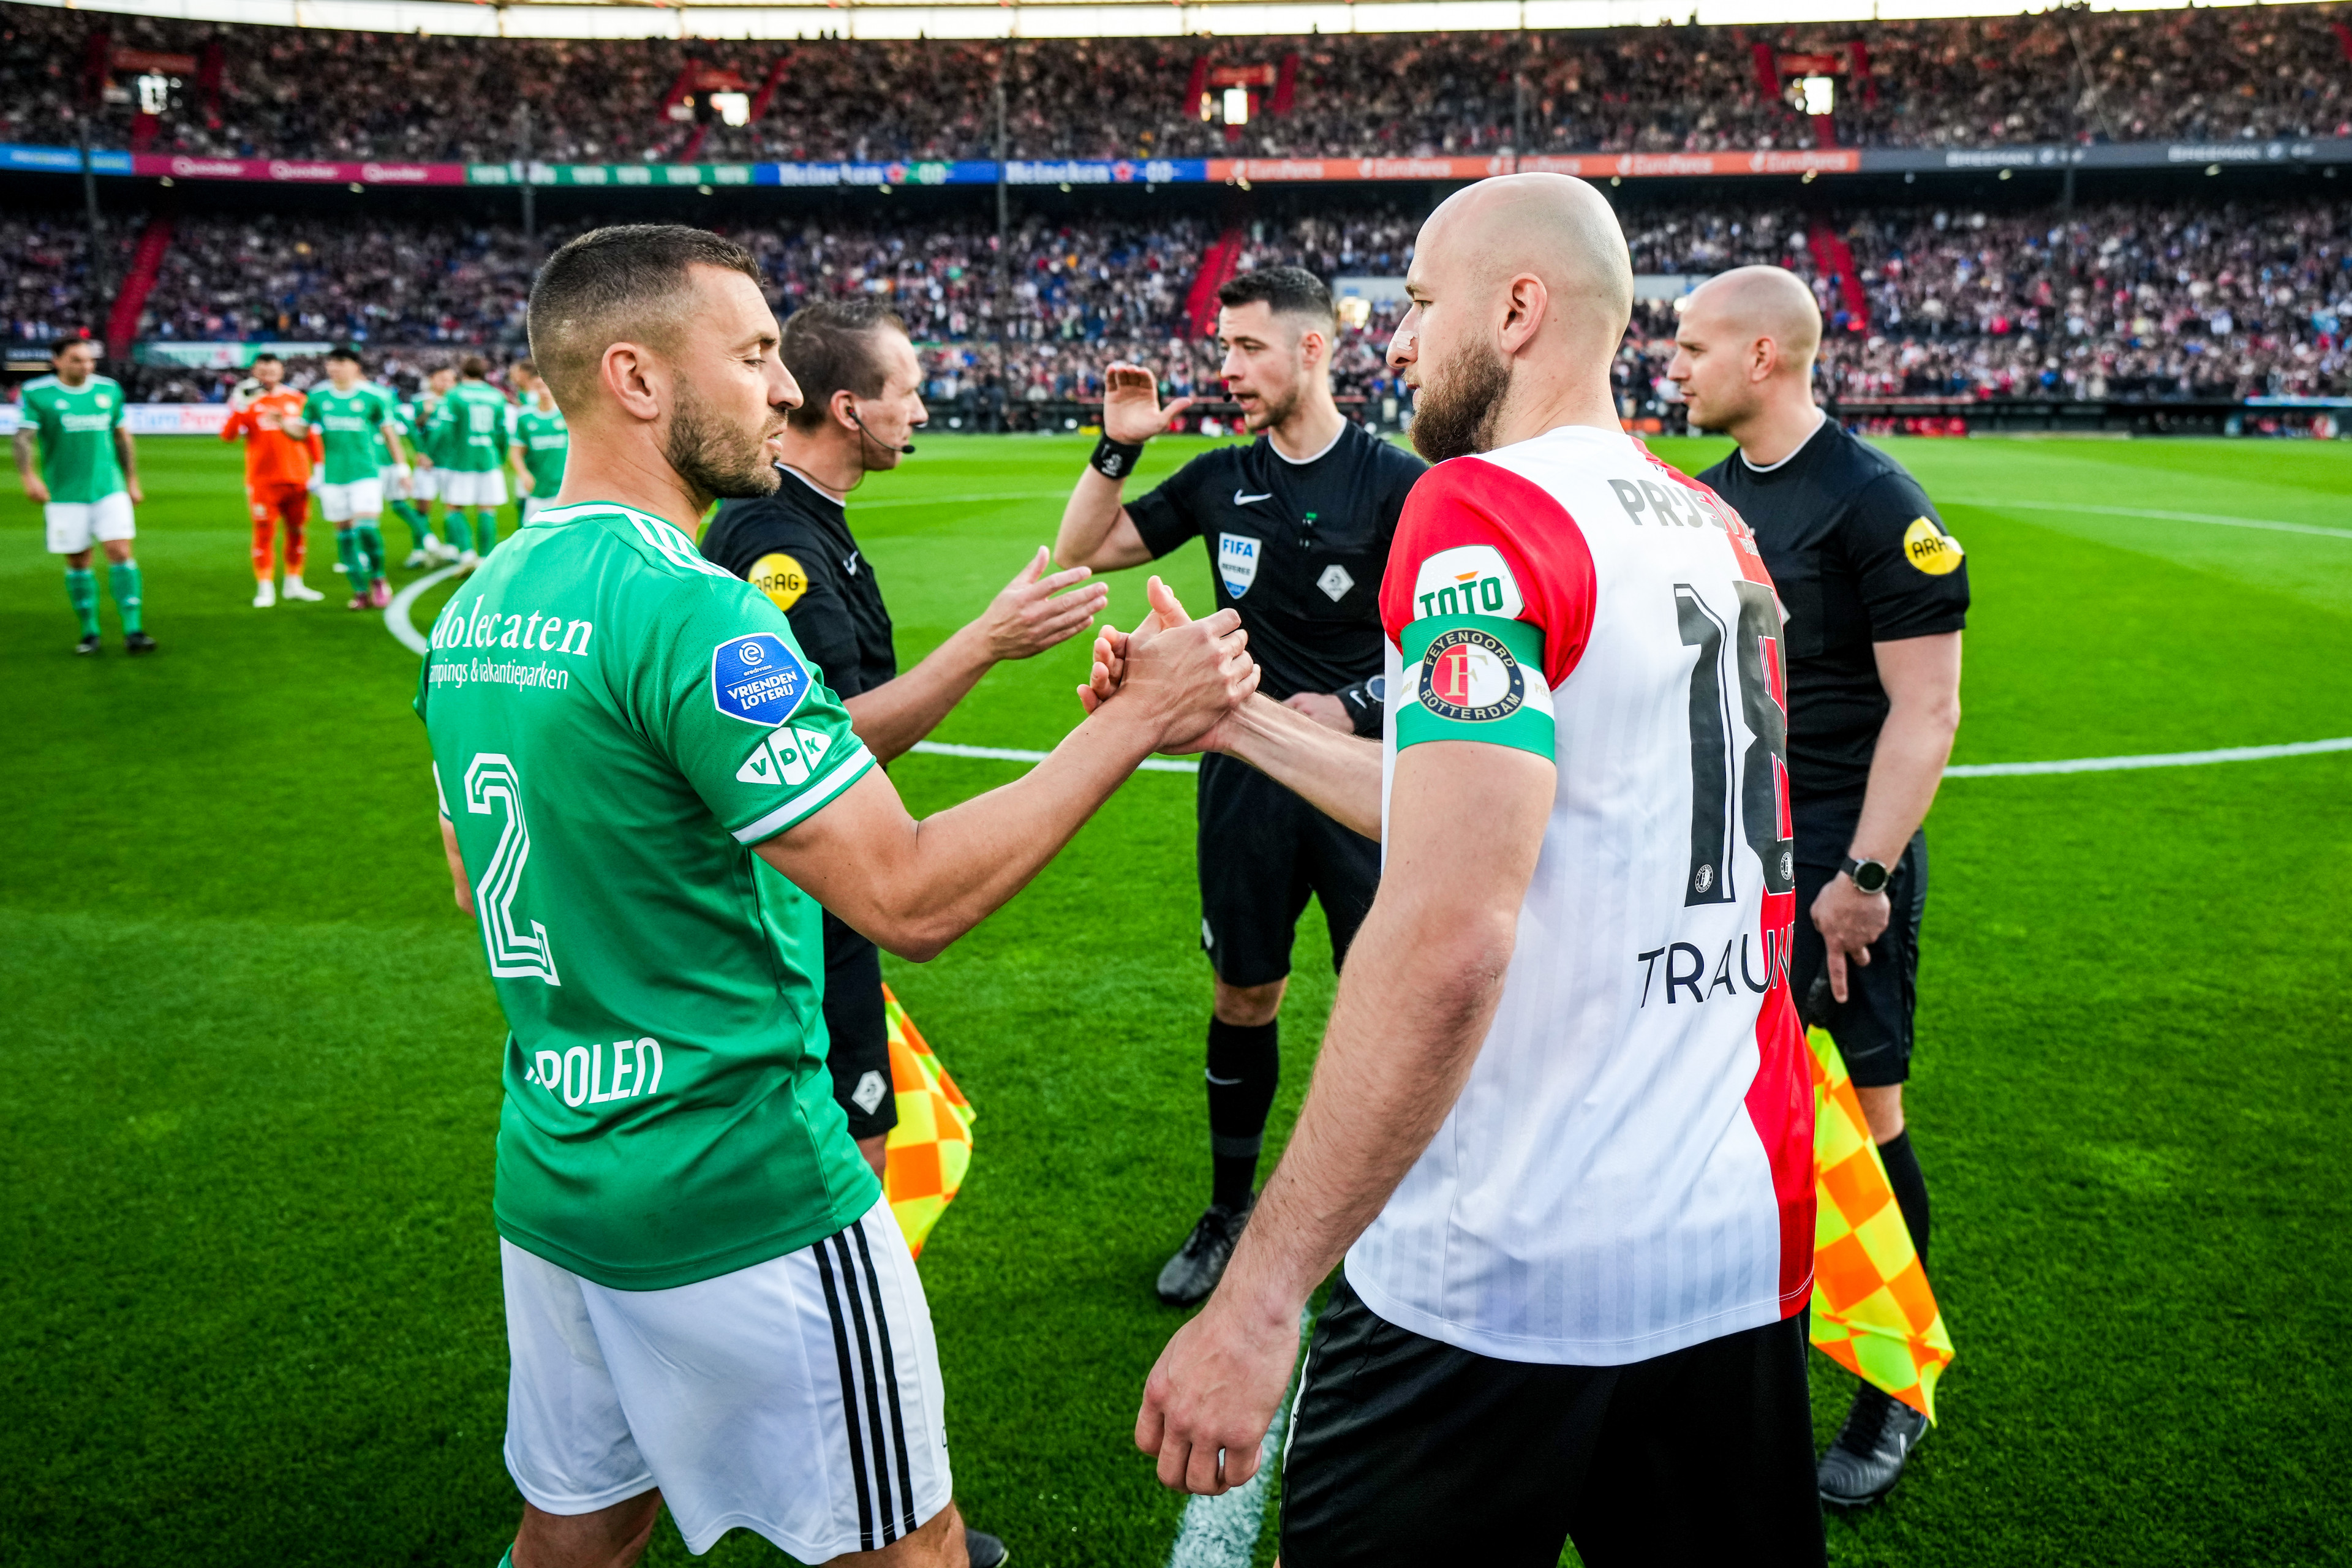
(1833, 258)
(146, 266)
(1218, 264)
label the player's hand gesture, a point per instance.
(131, 487)
(1131, 411)
(1208, 1403)
(1192, 672)
(1033, 613)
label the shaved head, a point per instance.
(1522, 288)
(1745, 346)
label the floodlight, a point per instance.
(154, 94)
(1237, 106)
(1820, 94)
(734, 108)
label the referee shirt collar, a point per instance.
(1820, 419)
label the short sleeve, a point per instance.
(121, 409)
(1489, 599)
(1913, 576)
(1165, 516)
(736, 705)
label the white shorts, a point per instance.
(488, 488)
(75, 525)
(424, 484)
(798, 1397)
(361, 497)
(394, 482)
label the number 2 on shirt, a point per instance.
(490, 783)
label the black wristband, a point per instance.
(1367, 705)
(1115, 459)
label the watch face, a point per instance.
(1869, 875)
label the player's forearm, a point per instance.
(24, 445)
(126, 452)
(1421, 991)
(1087, 520)
(1914, 744)
(895, 714)
(913, 887)
(1340, 775)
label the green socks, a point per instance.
(420, 532)
(486, 530)
(122, 580)
(347, 551)
(81, 587)
(370, 547)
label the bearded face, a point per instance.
(1456, 410)
(716, 457)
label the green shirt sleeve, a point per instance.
(737, 708)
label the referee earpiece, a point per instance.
(872, 438)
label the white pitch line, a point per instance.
(396, 621)
(2153, 760)
(395, 615)
(2269, 524)
(1014, 754)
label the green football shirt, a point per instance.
(615, 723)
(351, 427)
(472, 426)
(544, 440)
(76, 424)
(404, 419)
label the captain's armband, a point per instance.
(1475, 678)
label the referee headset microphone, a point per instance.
(885, 446)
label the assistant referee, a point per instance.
(1297, 525)
(861, 403)
(1876, 594)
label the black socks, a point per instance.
(1245, 1066)
(1910, 1188)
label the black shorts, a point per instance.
(1263, 850)
(1407, 1451)
(860, 1053)
(1873, 1026)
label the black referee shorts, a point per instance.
(1873, 1026)
(859, 1055)
(1407, 1451)
(1263, 850)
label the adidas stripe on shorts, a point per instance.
(798, 1397)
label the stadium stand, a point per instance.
(2068, 75)
(2125, 299)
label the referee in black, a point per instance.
(1297, 525)
(861, 404)
(1876, 593)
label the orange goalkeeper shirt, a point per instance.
(273, 459)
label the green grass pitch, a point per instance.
(248, 1286)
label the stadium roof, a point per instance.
(1032, 18)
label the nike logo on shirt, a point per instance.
(1240, 500)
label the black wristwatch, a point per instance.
(1867, 876)
(1366, 702)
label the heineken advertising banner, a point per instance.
(1075, 172)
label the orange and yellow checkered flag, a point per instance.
(1872, 1311)
(930, 1148)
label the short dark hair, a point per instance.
(344, 351)
(829, 347)
(524, 365)
(58, 350)
(263, 354)
(473, 367)
(615, 282)
(1285, 290)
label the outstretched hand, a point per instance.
(1196, 670)
(1131, 410)
(1033, 613)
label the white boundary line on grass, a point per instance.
(2270, 524)
(395, 615)
(396, 621)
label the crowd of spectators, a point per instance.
(2065, 75)
(2128, 300)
